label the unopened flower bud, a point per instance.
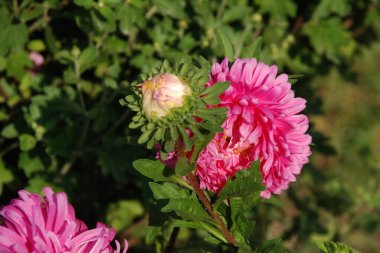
(162, 93)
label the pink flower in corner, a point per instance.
(262, 123)
(37, 224)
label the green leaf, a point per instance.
(243, 184)
(36, 45)
(174, 132)
(251, 201)
(87, 58)
(211, 100)
(17, 64)
(244, 226)
(110, 83)
(235, 204)
(225, 42)
(254, 50)
(327, 37)
(203, 113)
(168, 190)
(193, 128)
(171, 8)
(157, 171)
(85, 3)
(212, 126)
(200, 225)
(64, 57)
(199, 145)
(278, 9)
(18, 36)
(6, 175)
(182, 166)
(216, 89)
(326, 7)
(145, 136)
(27, 142)
(185, 137)
(337, 247)
(9, 131)
(188, 208)
(30, 164)
(153, 169)
(270, 246)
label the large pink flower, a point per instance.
(262, 123)
(36, 224)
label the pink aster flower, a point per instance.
(41, 224)
(262, 123)
(37, 59)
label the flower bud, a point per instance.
(162, 93)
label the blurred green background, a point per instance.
(61, 123)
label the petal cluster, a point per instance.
(40, 224)
(263, 122)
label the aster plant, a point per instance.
(226, 136)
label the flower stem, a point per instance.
(207, 204)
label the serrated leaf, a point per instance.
(168, 190)
(30, 164)
(251, 201)
(244, 183)
(327, 37)
(235, 204)
(269, 246)
(244, 226)
(154, 170)
(225, 42)
(189, 209)
(337, 247)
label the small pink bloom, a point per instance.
(40, 224)
(262, 123)
(37, 59)
(170, 160)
